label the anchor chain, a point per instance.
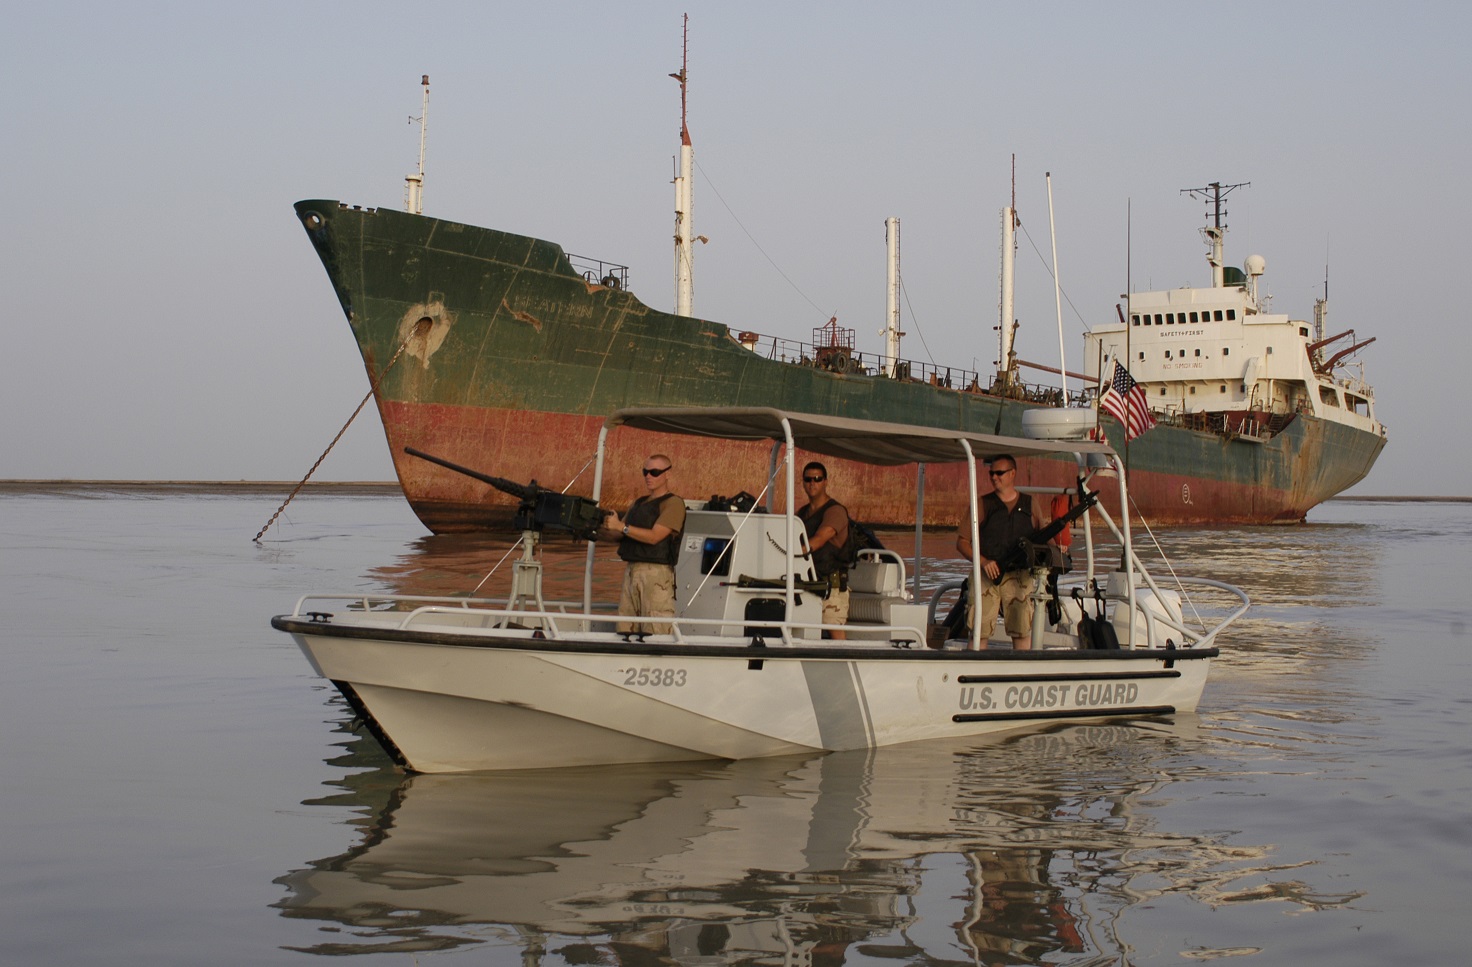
(422, 326)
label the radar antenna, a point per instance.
(1216, 230)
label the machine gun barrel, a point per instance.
(519, 491)
(540, 507)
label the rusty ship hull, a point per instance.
(494, 351)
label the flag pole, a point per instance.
(1129, 292)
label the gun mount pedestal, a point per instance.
(1045, 563)
(526, 576)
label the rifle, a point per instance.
(539, 507)
(1025, 553)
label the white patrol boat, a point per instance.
(459, 684)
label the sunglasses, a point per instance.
(813, 479)
(1001, 473)
(656, 473)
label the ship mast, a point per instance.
(1216, 232)
(1057, 290)
(892, 332)
(414, 184)
(684, 197)
(1007, 322)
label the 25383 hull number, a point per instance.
(663, 677)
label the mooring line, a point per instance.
(372, 388)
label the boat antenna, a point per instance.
(684, 196)
(414, 184)
(1321, 309)
(1216, 230)
(1057, 291)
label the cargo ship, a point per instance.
(504, 353)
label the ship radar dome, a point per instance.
(1255, 265)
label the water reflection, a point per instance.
(1027, 849)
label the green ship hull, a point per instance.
(493, 351)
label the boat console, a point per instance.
(733, 566)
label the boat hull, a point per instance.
(452, 702)
(489, 350)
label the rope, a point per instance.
(722, 199)
(372, 388)
(495, 568)
(1168, 565)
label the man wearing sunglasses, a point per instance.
(649, 540)
(826, 522)
(1006, 516)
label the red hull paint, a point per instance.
(557, 450)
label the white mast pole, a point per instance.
(414, 184)
(1009, 270)
(1057, 291)
(684, 197)
(892, 332)
(1007, 320)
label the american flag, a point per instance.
(1124, 398)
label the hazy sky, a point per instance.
(166, 317)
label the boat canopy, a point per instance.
(864, 441)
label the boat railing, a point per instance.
(1157, 626)
(564, 620)
(377, 602)
(1190, 637)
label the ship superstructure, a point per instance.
(1217, 359)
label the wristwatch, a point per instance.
(626, 530)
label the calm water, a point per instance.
(179, 789)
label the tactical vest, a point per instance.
(832, 557)
(1001, 529)
(645, 513)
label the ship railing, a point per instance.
(597, 272)
(843, 359)
(1216, 421)
(1355, 384)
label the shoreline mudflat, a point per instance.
(203, 486)
(392, 487)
